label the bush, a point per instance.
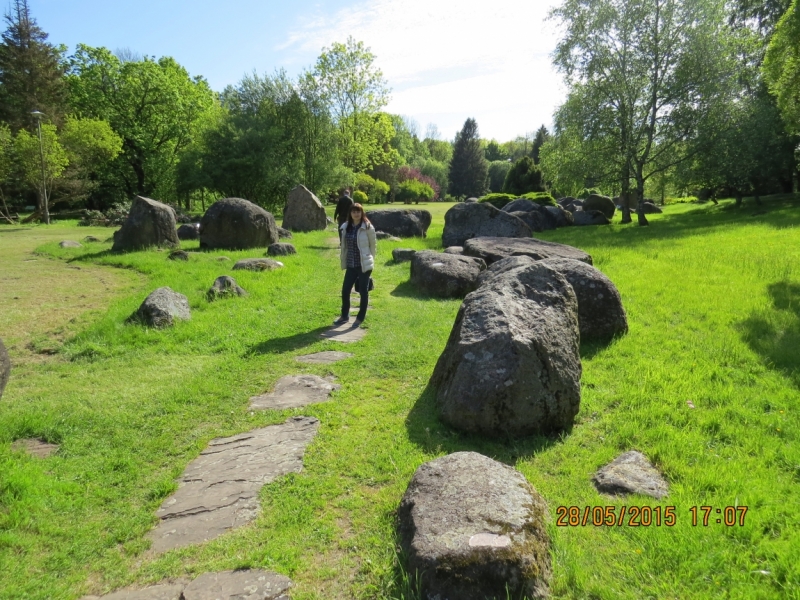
(413, 191)
(543, 198)
(360, 197)
(523, 177)
(498, 200)
(113, 217)
(586, 192)
(406, 173)
(682, 200)
(373, 188)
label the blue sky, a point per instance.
(445, 60)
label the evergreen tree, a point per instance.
(468, 168)
(524, 177)
(31, 71)
(542, 135)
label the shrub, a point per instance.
(360, 197)
(543, 198)
(113, 217)
(414, 191)
(407, 173)
(682, 200)
(586, 192)
(373, 188)
(498, 200)
(524, 176)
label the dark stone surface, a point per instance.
(5, 367)
(303, 211)
(521, 205)
(466, 221)
(403, 254)
(401, 223)
(590, 217)
(651, 209)
(533, 219)
(445, 275)
(257, 264)
(284, 234)
(474, 528)
(189, 231)
(178, 255)
(602, 203)
(224, 286)
(219, 489)
(281, 249)
(162, 307)
(493, 249)
(149, 223)
(237, 224)
(91, 238)
(511, 365)
(631, 473)
(454, 250)
(295, 391)
(382, 235)
(561, 217)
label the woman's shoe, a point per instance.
(341, 320)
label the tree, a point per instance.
(648, 72)
(31, 71)
(494, 152)
(468, 167)
(523, 177)
(6, 167)
(29, 157)
(781, 67)
(497, 174)
(153, 105)
(542, 135)
(354, 91)
(90, 145)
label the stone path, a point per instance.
(344, 333)
(295, 391)
(219, 489)
(323, 358)
(227, 585)
(35, 447)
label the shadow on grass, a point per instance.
(775, 334)
(286, 344)
(409, 290)
(434, 437)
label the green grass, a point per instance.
(713, 301)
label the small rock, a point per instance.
(178, 255)
(294, 392)
(281, 249)
(91, 238)
(284, 233)
(222, 258)
(70, 244)
(403, 254)
(224, 286)
(257, 264)
(162, 307)
(631, 473)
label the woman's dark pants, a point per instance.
(361, 280)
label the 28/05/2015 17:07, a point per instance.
(646, 516)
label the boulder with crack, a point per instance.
(445, 275)
(492, 249)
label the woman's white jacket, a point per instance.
(365, 240)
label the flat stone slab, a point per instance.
(257, 264)
(219, 489)
(238, 585)
(631, 473)
(35, 447)
(246, 584)
(492, 249)
(70, 244)
(323, 358)
(295, 391)
(344, 333)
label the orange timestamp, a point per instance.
(646, 516)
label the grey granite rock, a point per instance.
(162, 308)
(149, 223)
(303, 211)
(631, 473)
(492, 249)
(294, 391)
(445, 275)
(257, 264)
(237, 224)
(224, 286)
(465, 221)
(403, 254)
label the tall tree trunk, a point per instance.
(642, 220)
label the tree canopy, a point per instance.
(468, 167)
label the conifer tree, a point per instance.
(468, 168)
(31, 71)
(542, 135)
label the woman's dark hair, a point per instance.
(364, 218)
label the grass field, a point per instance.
(713, 301)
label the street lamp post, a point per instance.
(38, 116)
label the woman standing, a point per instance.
(357, 254)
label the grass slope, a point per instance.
(713, 301)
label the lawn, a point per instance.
(713, 301)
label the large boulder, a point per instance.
(237, 224)
(521, 205)
(162, 308)
(511, 365)
(401, 223)
(304, 211)
(561, 217)
(5, 368)
(465, 221)
(445, 275)
(590, 217)
(601, 315)
(651, 209)
(493, 249)
(189, 231)
(474, 528)
(533, 219)
(403, 254)
(149, 223)
(602, 203)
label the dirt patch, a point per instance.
(46, 300)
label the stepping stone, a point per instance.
(164, 591)
(294, 392)
(70, 244)
(344, 333)
(239, 585)
(631, 473)
(323, 358)
(34, 447)
(219, 489)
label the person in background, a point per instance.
(357, 254)
(343, 206)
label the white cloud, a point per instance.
(447, 60)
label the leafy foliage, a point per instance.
(498, 200)
(468, 168)
(524, 176)
(497, 174)
(413, 190)
(360, 197)
(543, 198)
(406, 173)
(29, 159)
(782, 66)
